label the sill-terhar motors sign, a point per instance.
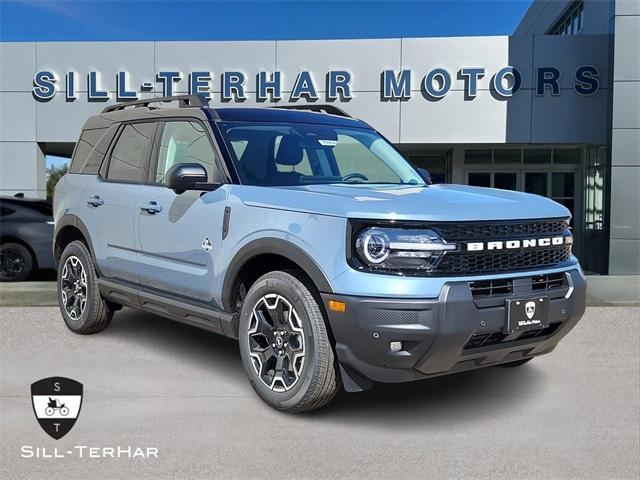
(337, 84)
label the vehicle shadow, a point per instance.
(477, 395)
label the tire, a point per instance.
(64, 411)
(16, 262)
(93, 315)
(306, 376)
(49, 411)
(517, 363)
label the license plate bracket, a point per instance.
(526, 314)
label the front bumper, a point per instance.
(452, 333)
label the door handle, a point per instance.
(151, 207)
(95, 201)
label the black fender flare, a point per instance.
(275, 246)
(71, 220)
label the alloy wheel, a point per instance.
(74, 287)
(11, 263)
(276, 342)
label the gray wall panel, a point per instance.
(246, 57)
(569, 118)
(17, 117)
(105, 57)
(625, 146)
(625, 257)
(18, 62)
(22, 169)
(625, 202)
(626, 98)
(627, 50)
(364, 59)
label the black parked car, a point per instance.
(26, 233)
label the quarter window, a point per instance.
(186, 142)
(129, 158)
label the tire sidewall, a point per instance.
(79, 250)
(306, 313)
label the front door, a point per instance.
(180, 236)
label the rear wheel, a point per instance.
(83, 309)
(16, 262)
(284, 344)
(517, 363)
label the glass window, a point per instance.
(477, 157)
(186, 142)
(91, 149)
(480, 179)
(537, 155)
(129, 158)
(571, 23)
(505, 180)
(562, 184)
(567, 155)
(5, 211)
(302, 154)
(536, 182)
(507, 156)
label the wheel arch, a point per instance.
(69, 228)
(291, 254)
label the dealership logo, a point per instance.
(56, 403)
(337, 85)
(530, 309)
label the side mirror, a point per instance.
(185, 176)
(426, 176)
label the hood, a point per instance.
(405, 202)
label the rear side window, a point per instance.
(91, 149)
(130, 155)
(5, 211)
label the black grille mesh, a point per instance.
(502, 260)
(491, 231)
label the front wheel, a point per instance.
(284, 344)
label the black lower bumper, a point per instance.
(452, 333)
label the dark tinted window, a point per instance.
(90, 150)
(4, 211)
(130, 154)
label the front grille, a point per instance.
(495, 338)
(467, 231)
(549, 281)
(491, 288)
(504, 261)
(495, 261)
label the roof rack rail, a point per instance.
(184, 101)
(330, 109)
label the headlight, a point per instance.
(400, 250)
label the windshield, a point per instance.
(303, 154)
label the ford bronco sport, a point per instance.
(309, 238)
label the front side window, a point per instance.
(303, 154)
(129, 158)
(186, 142)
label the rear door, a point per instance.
(179, 236)
(110, 201)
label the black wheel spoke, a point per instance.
(276, 343)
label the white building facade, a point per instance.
(552, 109)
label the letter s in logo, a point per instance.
(44, 86)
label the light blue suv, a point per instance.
(310, 239)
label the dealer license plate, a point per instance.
(527, 314)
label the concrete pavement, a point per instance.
(150, 382)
